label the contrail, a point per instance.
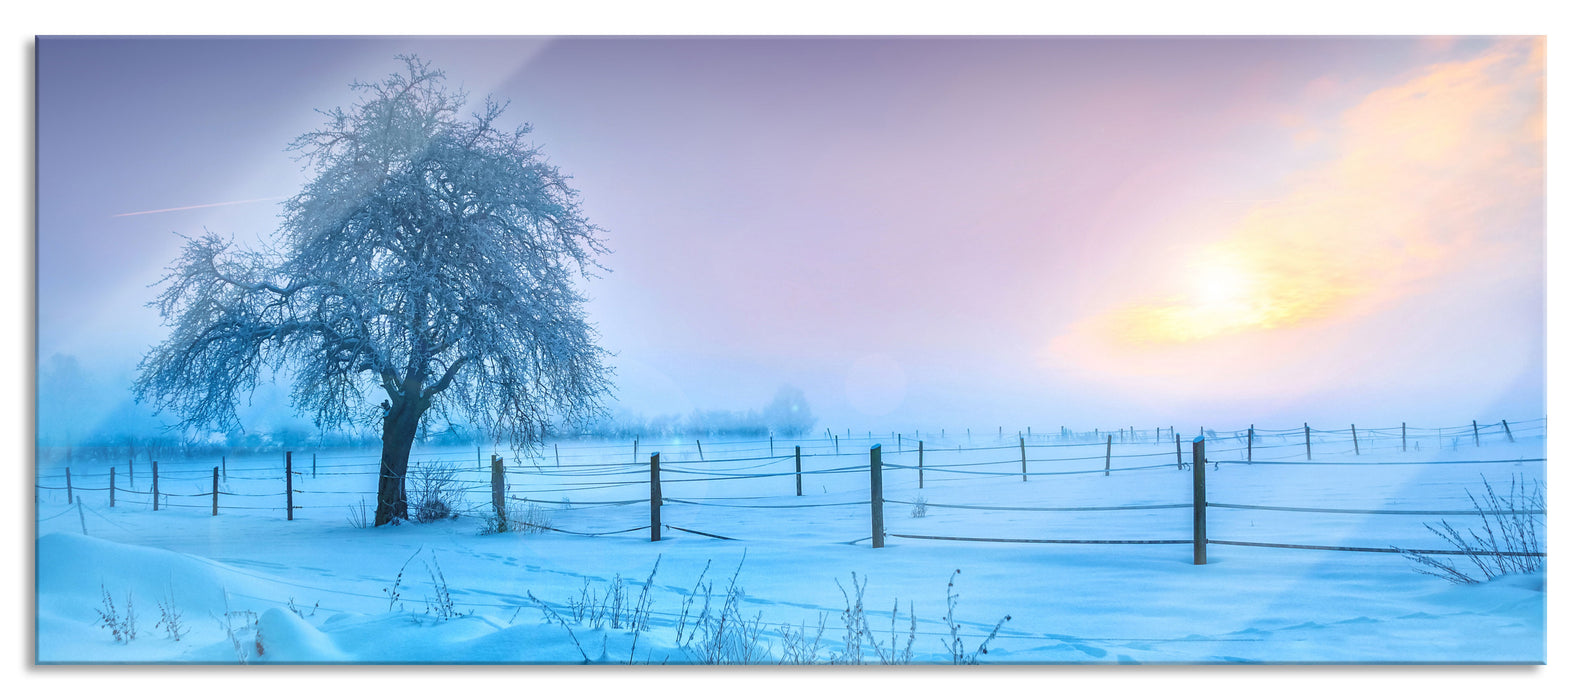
(201, 206)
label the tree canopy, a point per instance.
(432, 261)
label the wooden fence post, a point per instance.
(112, 487)
(837, 444)
(1307, 436)
(290, 509)
(557, 455)
(315, 465)
(131, 474)
(497, 485)
(700, 450)
(1178, 450)
(634, 449)
(155, 467)
(1508, 430)
(654, 497)
(876, 494)
(898, 442)
(68, 486)
(771, 445)
(1355, 447)
(1199, 503)
(1249, 444)
(1403, 436)
(1107, 445)
(798, 470)
(1023, 442)
(1476, 442)
(223, 474)
(214, 491)
(920, 465)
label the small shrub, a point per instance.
(442, 607)
(170, 618)
(1509, 542)
(614, 606)
(291, 604)
(956, 646)
(494, 525)
(919, 506)
(530, 518)
(393, 593)
(690, 599)
(798, 647)
(855, 619)
(123, 627)
(725, 636)
(551, 616)
(357, 515)
(435, 494)
(234, 635)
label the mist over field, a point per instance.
(791, 350)
(773, 219)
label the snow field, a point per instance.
(1068, 603)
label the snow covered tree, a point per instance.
(430, 264)
(787, 413)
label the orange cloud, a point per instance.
(1427, 174)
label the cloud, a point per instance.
(1442, 167)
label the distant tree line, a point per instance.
(74, 424)
(785, 415)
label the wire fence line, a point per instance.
(540, 452)
(371, 469)
(1286, 447)
(1070, 509)
(1360, 511)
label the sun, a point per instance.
(1222, 285)
(1217, 294)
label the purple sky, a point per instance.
(920, 233)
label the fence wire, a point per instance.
(1281, 447)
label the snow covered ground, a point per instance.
(251, 586)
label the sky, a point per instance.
(917, 232)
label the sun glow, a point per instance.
(1222, 285)
(1218, 293)
(1427, 176)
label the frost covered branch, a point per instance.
(429, 268)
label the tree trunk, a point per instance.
(400, 429)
